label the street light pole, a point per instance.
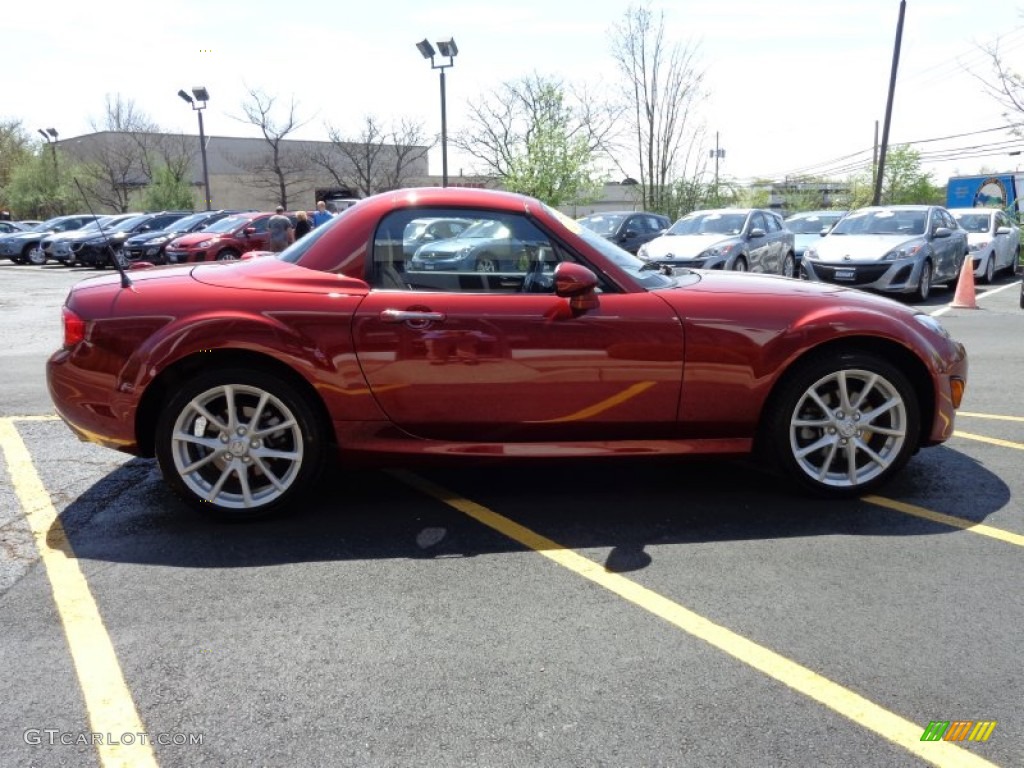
(50, 134)
(450, 50)
(201, 95)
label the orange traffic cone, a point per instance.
(964, 296)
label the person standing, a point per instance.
(322, 215)
(282, 234)
(302, 225)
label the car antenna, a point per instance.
(126, 282)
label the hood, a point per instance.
(839, 248)
(195, 238)
(765, 288)
(449, 247)
(685, 246)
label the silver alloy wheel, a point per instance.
(227, 255)
(848, 427)
(788, 266)
(740, 265)
(924, 288)
(486, 264)
(37, 256)
(990, 268)
(237, 446)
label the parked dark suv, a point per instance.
(150, 246)
(627, 229)
(98, 251)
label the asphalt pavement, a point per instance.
(579, 614)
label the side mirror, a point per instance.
(249, 231)
(756, 232)
(1003, 231)
(576, 283)
(942, 232)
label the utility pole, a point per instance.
(717, 153)
(888, 106)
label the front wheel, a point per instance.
(843, 423)
(486, 263)
(990, 268)
(239, 444)
(788, 266)
(740, 265)
(924, 285)
(37, 256)
(227, 255)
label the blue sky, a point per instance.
(793, 84)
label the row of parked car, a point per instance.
(166, 237)
(903, 249)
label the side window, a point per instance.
(496, 253)
(772, 222)
(757, 222)
(260, 225)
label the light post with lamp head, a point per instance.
(449, 50)
(201, 95)
(50, 135)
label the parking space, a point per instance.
(657, 613)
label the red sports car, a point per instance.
(244, 378)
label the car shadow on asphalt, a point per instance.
(623, 507)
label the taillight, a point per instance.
(74, 327)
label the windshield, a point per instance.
(974, 222)
(709, 223)
(485, 230)
(228, 224)
(810, 225)
(884, 221)
(186, 223)
(603, 223)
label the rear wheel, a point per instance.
(843, 423)
(239, 444)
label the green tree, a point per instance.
(538, 120)
(168, 191)
(553, 165)
(904, 182)
(35, 191)
(15, 150)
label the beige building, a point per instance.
(240, 175)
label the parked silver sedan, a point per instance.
(992, 238)
(741, 239)
(904, 249)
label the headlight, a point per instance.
(715, 252)
(810, 253)
(932, 324)
(642, 253)
(158, 241)
(902, 253)
(977, 246)
(205, 244)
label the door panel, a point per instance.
(514, 367)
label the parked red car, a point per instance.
(243, 379)
(225, 240)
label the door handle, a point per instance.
(414, 317)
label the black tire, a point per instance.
(878, 440)
(228, 254)
(990, 269)
(924, 283)
(740, 265)
(789, 265)
(221, 469)
(485, 262)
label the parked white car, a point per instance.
(993, 239)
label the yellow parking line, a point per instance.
(108, 701)
(45, 417)
(970, 415)
(853, 706)
(938, 517)
(990, 440)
